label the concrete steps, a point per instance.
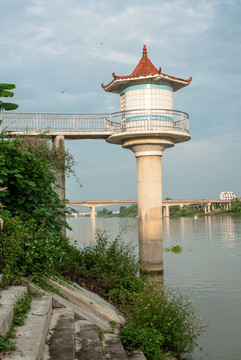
(113, 347)
(57, 329)
(60, 343)
(8, 299)
(31, 337)
(87, 341)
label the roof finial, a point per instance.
(144, 52)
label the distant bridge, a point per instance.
(208, 204)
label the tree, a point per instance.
(4, 92)
(29, 177)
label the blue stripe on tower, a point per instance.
(146, 86)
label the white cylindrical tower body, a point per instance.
(147, 106)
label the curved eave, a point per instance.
(117, 84)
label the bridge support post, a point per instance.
(207, 208)
(58, 142)
(166, 211)
(148, 153)
(92, 213)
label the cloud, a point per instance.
(48, 46)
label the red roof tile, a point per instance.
(145, 68)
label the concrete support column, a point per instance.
(92, 213)
(166, 211)
(207, 208)
(58, 142)
(148, 153)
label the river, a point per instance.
(208, 268)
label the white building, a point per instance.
(227, 195)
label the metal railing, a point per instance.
(161, 120)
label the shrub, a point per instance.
(109, 267)
(146, 339)
(27, 249)
(173, 318)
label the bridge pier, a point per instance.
(166, 212)
(148, 154)
(207, 208)
(92, 212)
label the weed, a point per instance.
(174, 249)
(6, 343)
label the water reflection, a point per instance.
(225, 226)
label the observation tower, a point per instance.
(149, 125)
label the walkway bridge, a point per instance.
(207, 204)
(95, 126)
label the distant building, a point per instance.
(227, 195)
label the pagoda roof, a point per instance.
(145, 70)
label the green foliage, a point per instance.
(21, 309)
(167, 320)
(146, 339)
(109, 267)
(236, 207)
(131, 211)
(104, 213)
(27, 249)
(174, 249)
(189, 210)
(4, 92)
(7, 343)
(28, 175)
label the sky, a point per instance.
(58, 53)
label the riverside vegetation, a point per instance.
(159, 322)
(175, 211)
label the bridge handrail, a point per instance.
(149, 119)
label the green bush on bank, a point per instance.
(108, 267)
(27, 249)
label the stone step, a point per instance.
(60, 343)
(136, 355)
(89, 302)
(8, 299)
(87, 341)
(31, 337)
(113, 347)
(60, 302)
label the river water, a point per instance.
(208, 268)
